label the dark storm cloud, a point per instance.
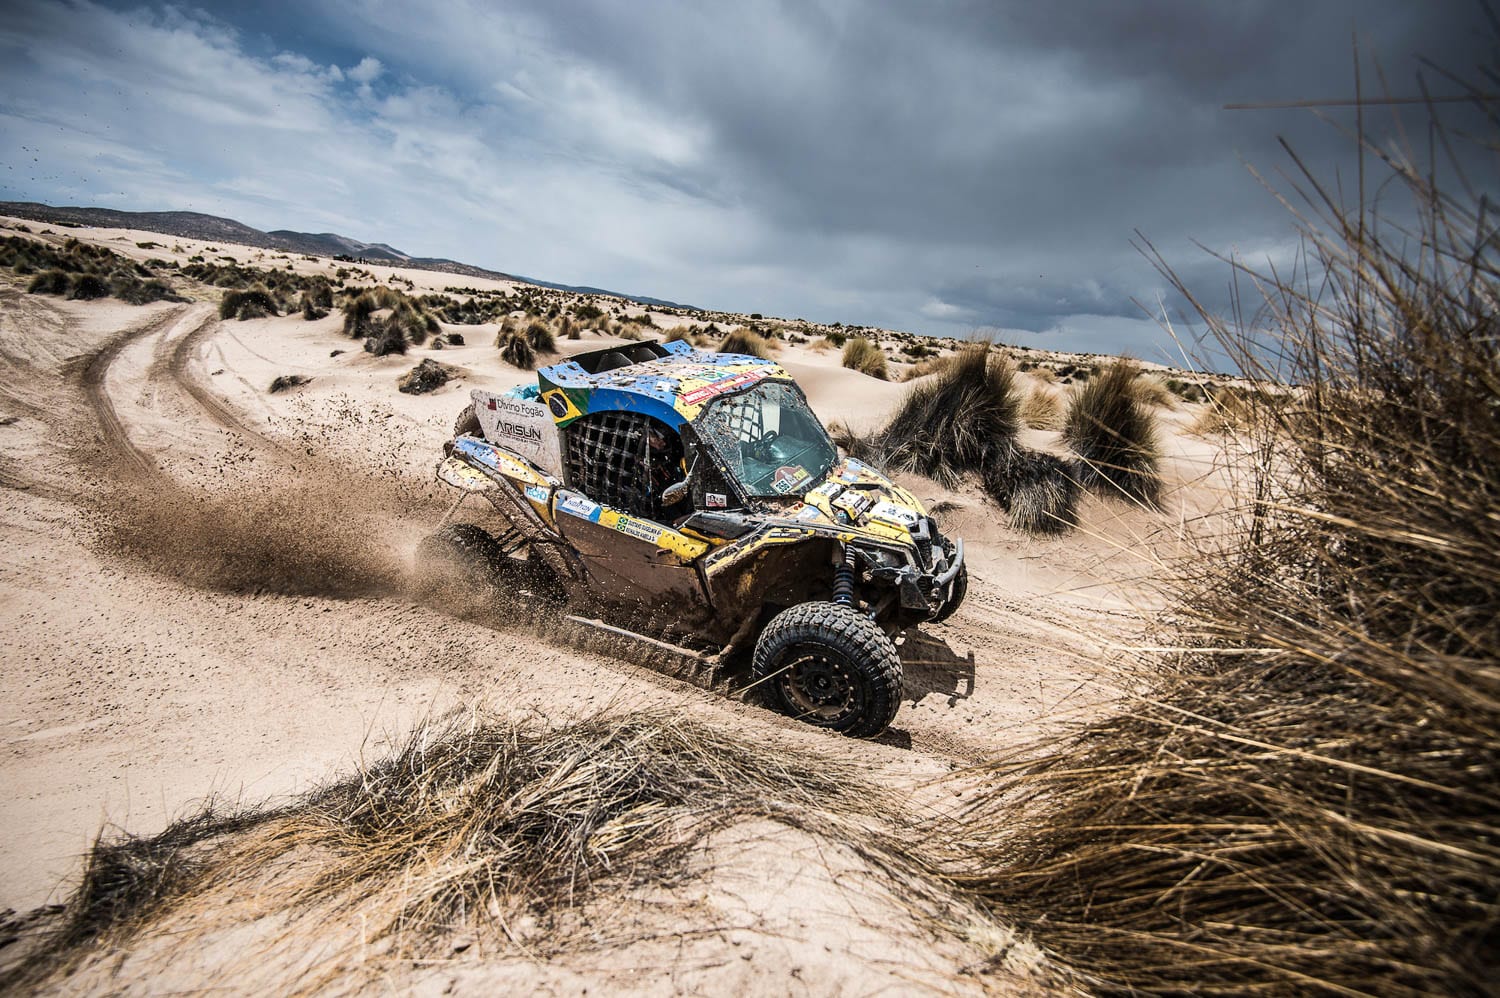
(1032, 138)
(937, 166)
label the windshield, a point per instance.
(769, 438)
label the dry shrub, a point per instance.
(1305, 799)
(1152, 390)
(962, 420)
(1041, 409)
(49, 282)
(1115, 434)
(87, 287)
(746, 342)
(1038, 491)
(865, 357)
(1227, 412)
(474, 826)
(686, 332)
(540, 336)
(254, 303)
(517, 351)
(922, 368)
(385, 337)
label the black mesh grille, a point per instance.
(610, 459)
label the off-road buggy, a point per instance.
(694, 497)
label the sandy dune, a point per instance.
(205, 596)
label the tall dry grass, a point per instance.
(1304, 800)
(479, 828)
(958, 421)
(747, 342)
(1113, 430)
(865, 357)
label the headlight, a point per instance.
(882, 558)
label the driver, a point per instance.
(664, 467)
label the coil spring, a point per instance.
(843, 580)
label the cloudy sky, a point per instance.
(940, 167)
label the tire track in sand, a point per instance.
(94, 370)
(178, 368)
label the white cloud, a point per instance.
(945, 311)
(368, 70)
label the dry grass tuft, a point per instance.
(961, 420)
(865, 357)
(1038, 491)
(746, 342)
(1041, 409)
(486, 827)
(1228, 412)
(1305, 800)
(930, 365)
(1115, 435)
(516, 350)
(541, 338)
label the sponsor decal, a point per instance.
(788, 477)
(639, 529)
(827, 490)
(892, 513)
(727, 384)
(523, 426)
(715, 500)
(576, 505)
(810, 513)
(538, 494)
(853, 503)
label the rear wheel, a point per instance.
(461, 552)
(467, 422)
(825, 664)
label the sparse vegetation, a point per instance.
(84, 272)
(1303, 800)
(1115, 435)
(487, 827)
(961, 420)
(1038, 491)
(865, 357)
(517, 351)
(746, 342)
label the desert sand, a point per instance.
(173, 633)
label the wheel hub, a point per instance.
(820, 687)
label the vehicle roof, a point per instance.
(672, 386)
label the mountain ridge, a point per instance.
(202, 226)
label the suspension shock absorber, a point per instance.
(843, 579)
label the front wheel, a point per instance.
(825, 664)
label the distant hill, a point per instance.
(196, 225)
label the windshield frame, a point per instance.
(732, 465)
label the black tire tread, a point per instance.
(853, 635)
(466, 546)
(467, 422)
